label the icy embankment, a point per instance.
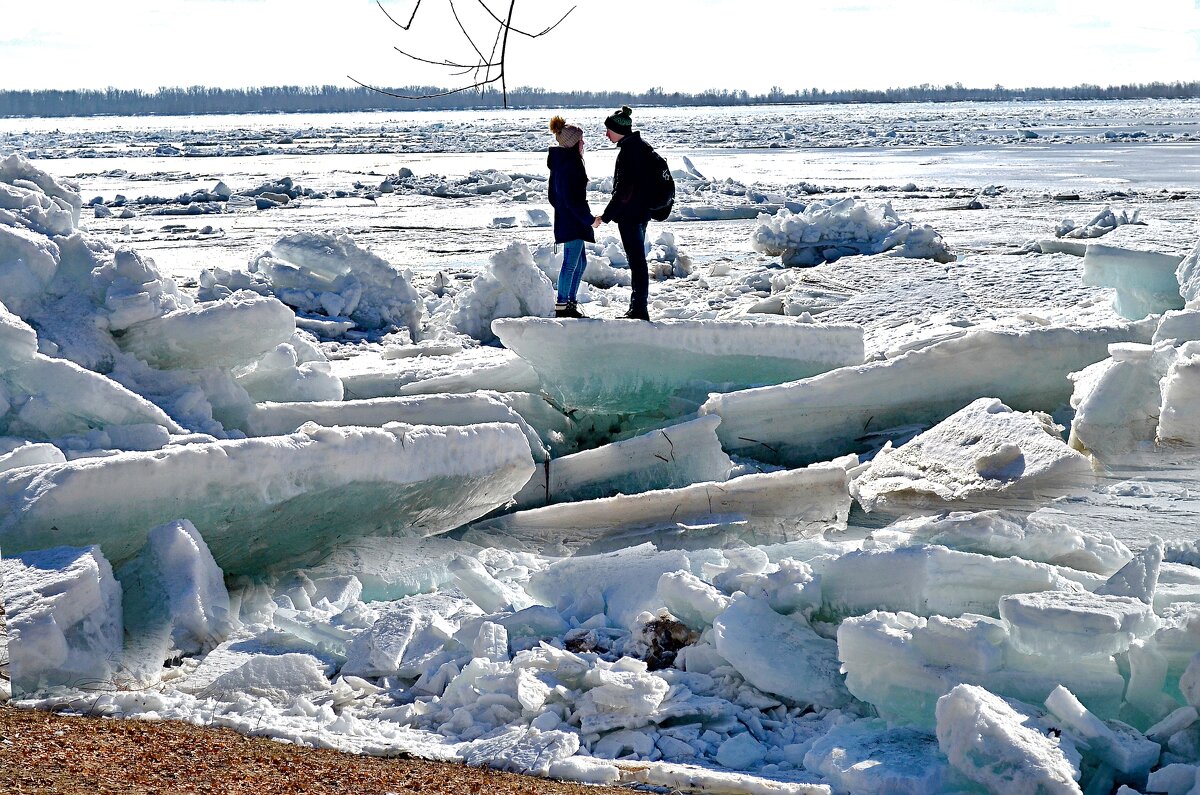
(654, 610)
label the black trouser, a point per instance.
(633, 238)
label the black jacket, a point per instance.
(568, 195)
(629, 178)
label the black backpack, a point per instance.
(660, 186)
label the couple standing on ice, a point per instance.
(641, 183)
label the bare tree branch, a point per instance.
(486, 65)
(394, 22)
(385, 92)
(508, 24)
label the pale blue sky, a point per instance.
(686, 45)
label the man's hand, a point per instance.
(596, 223)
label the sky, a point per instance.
(634, 45)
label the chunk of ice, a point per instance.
(1004, 746)
(780, 654)
(983, 452)
(867, 757)
(666, 458)
(827, 415)
(1075, 623)
(259, 500)
(633, 367)
(1145, 280)
(62, 608)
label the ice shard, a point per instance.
(639, 367)
(257, 501)
(776, 506)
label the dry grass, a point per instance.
(45, 753)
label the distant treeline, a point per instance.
(332, 99)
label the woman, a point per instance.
(572, 215)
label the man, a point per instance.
(628, 206)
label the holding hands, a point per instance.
(596, 223)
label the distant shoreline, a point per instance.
(203, 101)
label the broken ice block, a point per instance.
(636, 367)
(62, 608)
(257, 501)
(777, 505)
(780, 654)
(1005, 746)
(225, 333)
(666, 458)
(985, 451)
(827, 415)
(1145, 280)
(1075, 623)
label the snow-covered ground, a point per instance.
(895, 495)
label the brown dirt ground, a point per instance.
(41, 752)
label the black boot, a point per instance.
(636, 313)
(569, 309)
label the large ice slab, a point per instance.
(1145, 280)
(275, 419)
(666, 458)
(1188, 276)
(827, 415)
(776, 505)
(984, 452)
(1076, 623)
(1046, 535)
(422, 370)
(928, 580)
(259, 500)
(62, 608)
(632, 367)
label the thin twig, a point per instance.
(394, 22)
(508, 25)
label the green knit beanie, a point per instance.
(621, 122)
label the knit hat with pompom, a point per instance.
(621, 122)
(567, 135)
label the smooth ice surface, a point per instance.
(826, 415)
(985, 451)
(1003, 746)
(667, 458)
(1145, 280)
(62, 610)
(258, 500)
(775, 505)
(639, 366)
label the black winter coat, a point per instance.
(568, 195)
(629, 179)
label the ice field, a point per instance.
(896, 493)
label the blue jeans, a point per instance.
(573, 266)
